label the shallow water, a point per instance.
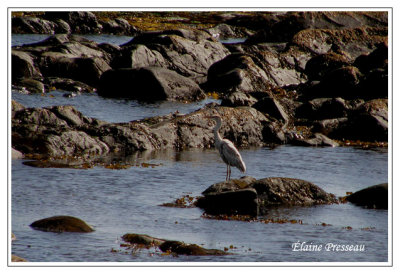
(116, 202)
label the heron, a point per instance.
(227, 150)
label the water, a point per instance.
(116, 202)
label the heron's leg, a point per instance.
(229, 172)
(227, 168)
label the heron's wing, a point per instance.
(231, 155)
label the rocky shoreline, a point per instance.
(323, 85)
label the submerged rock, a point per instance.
(61, 224)
(249, 196)
(371, 197)
(170, 247)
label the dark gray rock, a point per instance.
(79, 21)
(23, 65)
(61, 224)
(238, 99)
(32, 25)
(248, 196)
(170, 247)
(320, 65)
(149, 84)
(371, 197)
(30, 85)
(368, 122)
(118, 26)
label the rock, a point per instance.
(238, 99)
(15, 258)
(376, 59)
(320, 65)
(142, 239)
(342, 82)
(118, 26)
(137, 56)
(354, 42)
(272, 106)
(32, 25)
(371, 197)
(63, 131)
(170, 247)
(290, 192)
(79, 21)
(61, 224)
(31, 85)
(241, 201)
(187, 52)
(282, 26)
(237, 72)
(15, 154)
(66, 84)
(149, 84)
(317, 139)
(181, 248)
(87, 70)
(375, 84)
(23, 65)
(323, 108)
(257, 196)
(368, 122)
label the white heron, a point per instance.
(227, 150)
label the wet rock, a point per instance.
(23, 65)
(318, 66)
(371, 197)
(272, 106)
(181, 248)
(376, 59)
(187, 52)
(118, 26)
(79, 21)
(241, 201)
(282, 26)
(354, 42)
(170, 247)
(149, 84)
(58, 83)
(342, 82)
(368, 122)
(142, 239)
(238, 99)
(61, 224)
(264, 193)
(30, 85)
(323, 108)
(32, 25)
(237, 72)
(317, 139)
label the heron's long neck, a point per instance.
(217, 137)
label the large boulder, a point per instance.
(61, 224)
(257, 196)
(79, 21)
(149, 84)
(23, 65)
(187, 52)
(368, 122)
(32, 25)
(375, 196)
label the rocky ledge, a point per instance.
(248, 196)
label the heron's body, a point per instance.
(227, 150)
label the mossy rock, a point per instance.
(61, 224)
